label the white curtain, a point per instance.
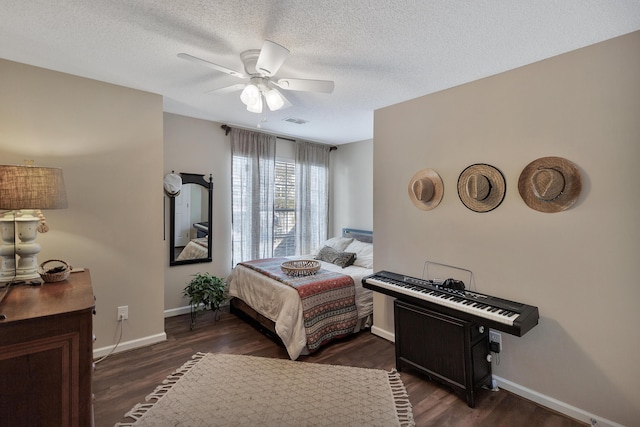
(312, 196)
(252, 171)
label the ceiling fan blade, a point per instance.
(226, 89)
(211, 65)
(304, 85)
(271, 58)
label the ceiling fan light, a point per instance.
(256, 107)
(275, 101)
(250, 95)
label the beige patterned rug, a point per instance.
(231, 390)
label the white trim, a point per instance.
(185, 310)
(532, 395)
(177, 311)
(382, 333)
(554, 404)
(129, 345)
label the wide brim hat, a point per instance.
(550, 184)
(481, 187)
(426, 189)
(172, 184)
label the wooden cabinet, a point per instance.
(447, 349)
(46, 354)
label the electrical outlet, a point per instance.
(123, 312)
(497, 338)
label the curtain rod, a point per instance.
(227, 129)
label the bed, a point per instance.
(258, 292)
(195, 249)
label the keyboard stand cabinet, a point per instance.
(449, 350)
(46, 356)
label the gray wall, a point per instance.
(352, 187)
(580, 267)
(200, 146)
(108, 141)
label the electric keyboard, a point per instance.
(508, 316)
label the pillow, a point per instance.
(345, 259)
(329, 254)
(339, 243)
(364, 253)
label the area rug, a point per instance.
(233, 390)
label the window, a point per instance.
(284, 205)
(284, 230)
(279, 203)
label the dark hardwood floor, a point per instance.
(124, 379)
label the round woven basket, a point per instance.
(301, 267)
(54, 274)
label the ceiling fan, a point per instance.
(260, 68)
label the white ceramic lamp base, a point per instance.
(26, 269)
(7, 248)
(27, 248)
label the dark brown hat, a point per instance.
(550, 184)
(481, 187)
(426, 189)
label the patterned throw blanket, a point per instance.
(328, 300)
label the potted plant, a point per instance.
(205, 292)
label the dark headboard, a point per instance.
(361, 235)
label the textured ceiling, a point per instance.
(378, 52)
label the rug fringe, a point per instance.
(401, 399)
(142, 408)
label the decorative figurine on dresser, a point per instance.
(46, 353)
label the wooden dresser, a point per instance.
(46, 354)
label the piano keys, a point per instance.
(500, 314)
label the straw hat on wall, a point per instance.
(172, 184)
(550, 184)
(426, 189)
(481, 187)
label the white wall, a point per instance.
(580, 267)
(198, 146)
(351, 203)
(108, 141)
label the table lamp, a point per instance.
(24, 190)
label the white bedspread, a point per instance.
(195, 249)
(281, 303)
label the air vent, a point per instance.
(296, 120)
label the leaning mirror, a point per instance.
(190, 219)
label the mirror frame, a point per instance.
(191, 178)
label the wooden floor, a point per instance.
(124, 379)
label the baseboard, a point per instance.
(554, 404)
(534, 396)
(141, 342)
(129, 345)
(383, 334)
(185, 310)
(177, 311)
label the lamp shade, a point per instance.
(274, 99)
(256, 107)
(31, 187)
(250, 95)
